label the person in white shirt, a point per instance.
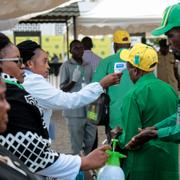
(48, 97)
(26, 136)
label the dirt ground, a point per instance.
(62, 140)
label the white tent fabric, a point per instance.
(133, 15)
(13, 11)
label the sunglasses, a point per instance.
(17, 60)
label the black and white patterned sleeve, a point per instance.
(31, 149)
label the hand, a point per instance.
(95, 159)
(116, 132)
(141, 138)
(110, 79)
(149, 128)
(76, 74)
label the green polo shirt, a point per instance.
(168, 129)
(116, 92)
(147, 103)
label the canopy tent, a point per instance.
(11, 12)
(16, 8)
(60, 15)
(135, 16)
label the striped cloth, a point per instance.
(92, 58)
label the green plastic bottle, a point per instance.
(112, 169)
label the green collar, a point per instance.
(14, 83)
(145, 77)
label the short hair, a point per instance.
(87, 42)
(73, 42)
(27, 48)
(4, 41)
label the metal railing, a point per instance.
(54, 77)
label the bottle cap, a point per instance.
(114, 156)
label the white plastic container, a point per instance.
(109, 172)
(112, 169)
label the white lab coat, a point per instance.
(49, 98)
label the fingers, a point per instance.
(131, 144)
(110, 79)
(104, 147)
(116, 132)
(117, 77)
(96, 158)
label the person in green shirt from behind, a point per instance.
(169, 129)
(121, 39)
(150, 101)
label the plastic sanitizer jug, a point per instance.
(112, 169)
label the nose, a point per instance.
(22, 66)
(7, 105)
(47, 65)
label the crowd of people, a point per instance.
(144, 106)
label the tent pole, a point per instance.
(74, 27)
(67, 38)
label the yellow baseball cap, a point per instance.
(121, 37)
(141, 56)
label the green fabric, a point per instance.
(116, 92)
(169, 20)
(148, 102)
(15, 83)
(169, 121)
(171, 133)
(168, 130)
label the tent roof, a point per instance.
(60, 14)
(14, 11)
(11, 9)
(135, 16)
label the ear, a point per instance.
(136, 71)
(29, 64)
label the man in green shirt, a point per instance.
(169, 129)
(106, 66)
(147, 103)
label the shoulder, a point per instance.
(87, 64)
(33, 78)
(107, 60)
(95, 55)
(34, 83)
(109, 57)
(67, 64)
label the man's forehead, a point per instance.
(77, 44)
(173, 31)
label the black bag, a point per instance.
(9, 173)
(98, 111)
